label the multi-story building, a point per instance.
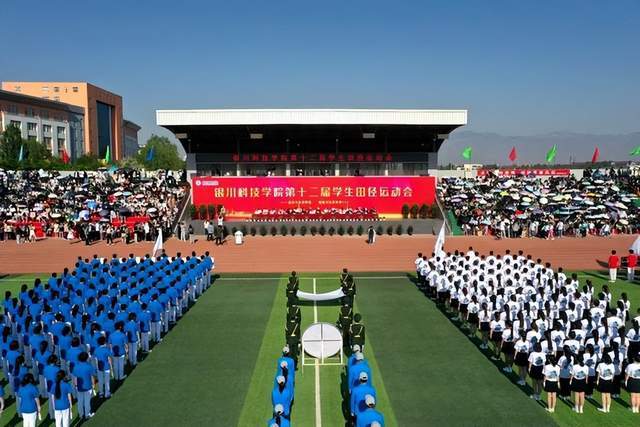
(103, 122)
(58, 125)
(130, 130)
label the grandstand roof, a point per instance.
(311, 117)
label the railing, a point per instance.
(182, 206)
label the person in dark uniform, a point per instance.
(344, 320)
(292, 337)
(356, 332)
(292, 289)
(294, 314)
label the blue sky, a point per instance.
(519, 67)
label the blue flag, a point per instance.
(150, 154)
(21, 155)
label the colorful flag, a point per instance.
(635, 151)
(21, 154)
(513, 155)
(467, 153)
(107, 156)
(596, 154)
(551, 154)
(65, 157)
(150, 154)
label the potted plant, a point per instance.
(274, 231)
(350, 230)
(379, 230)
(390, 230)
(332, 231)
(424, 211)
(253, 231)
(283, 230)
(410, 230)
(322, 231)
(303, 230)
(405, 211)
(202, 212)
(192, 211)
(263, 230)
(414, 211)
(399, 230)
(360, 230)
(293, 231)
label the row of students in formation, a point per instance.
(362, 393)
(88, 323)
(283, 390)
(529, 312)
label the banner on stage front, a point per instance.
(242, 196)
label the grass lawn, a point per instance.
(216, 367)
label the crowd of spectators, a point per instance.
(122, 204)
(600, 203)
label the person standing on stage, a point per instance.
(614, 264)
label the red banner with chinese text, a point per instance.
(243, 196)
(524, 172)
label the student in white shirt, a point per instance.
(521, 348)
(591, 361)
(633, 335)
(632, 383)
(579, 374)
(497, 327)
(536, 366)
(551, 375)
(566, 364)
(472, 315)
(484, 319)
(604, 382)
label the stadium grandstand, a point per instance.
(322, 164)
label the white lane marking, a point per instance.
(318, 403)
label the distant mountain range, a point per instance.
(492, 148)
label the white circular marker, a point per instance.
(322, 340)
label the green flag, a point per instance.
(551, 154)
(107, 156)
(635, 151)
(467, 153)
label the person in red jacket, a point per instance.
(632, 262)
(614, 264)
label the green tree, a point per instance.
(10, 146)
(165, 154)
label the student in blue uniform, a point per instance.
(358, 394)
(61, 394)
(360, 365)
(28, 401)
(369, 416)
(1, 399)
(50, 373)
(118, 341)
(132, 329)
(84, 377)
(103, 356)
(278, 419)
(281, 395)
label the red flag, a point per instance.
(596, 154)
(513, 155)
(65, 157)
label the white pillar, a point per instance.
(337, 173)
(287, 170)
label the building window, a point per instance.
(29, 112)
(75, 88)
(13, 109)
(32, 127)
(56, 98)
(56, 89)
(61, 131)
(45, 88)
(47, 142)
(18, 89)
(46, 128)
(44, 114)
(60, 146)
(16, 124)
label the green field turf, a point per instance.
(216, 366)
